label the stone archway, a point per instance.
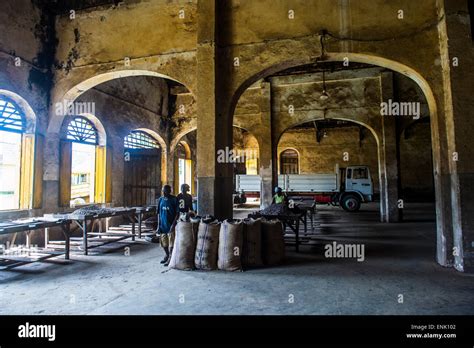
(445, 234)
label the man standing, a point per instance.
(185, 200)
(168, 216)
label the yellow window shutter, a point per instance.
(100, 168)
(38, 172)
(26, 172)
(108, 175)
(65, 173)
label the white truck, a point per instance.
(348, 187)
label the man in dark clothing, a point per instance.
(185, 200)
(168, 212)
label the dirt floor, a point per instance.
(398, 276)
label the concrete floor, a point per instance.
(399, 260)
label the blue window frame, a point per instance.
(140, 140)
(11, 117)
(81, 130)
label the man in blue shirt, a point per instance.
(168, 212)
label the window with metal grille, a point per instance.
(11, 117)
(140, 140)
(81, 130)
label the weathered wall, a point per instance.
(27, 45)
(458, 60)
(27, 33)
(417, 163)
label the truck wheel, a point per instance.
(350, 203)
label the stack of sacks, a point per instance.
(206, 244)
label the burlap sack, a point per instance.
(252, 243)
(207, 244)
(273, 243)
(184, 245)
(230, 246)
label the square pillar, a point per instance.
(214, 124)
(389, 160)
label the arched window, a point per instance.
(81, 130)
(87, 162)
(140, 140)
(12, 126)
(289, 162)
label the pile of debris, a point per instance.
(92, 209)
(278, 209)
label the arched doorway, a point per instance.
(183, 166)
(142, 171)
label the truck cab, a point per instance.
(356, 187)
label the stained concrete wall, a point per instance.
(27, 44)
(26, 33)
(417, 163)
(458, 60)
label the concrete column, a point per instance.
(389, 164)
(170, 169)
(118, 168)
(459, 109)
(51, 173)
(265, 146)
(214, 123)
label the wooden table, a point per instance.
(309, 208)
(140, 212)
(42, 253)
(82, 220)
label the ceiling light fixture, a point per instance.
(324, 95)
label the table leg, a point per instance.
(28, 240)
(133, 226)
(297, 235)
(305, 222)
(140, 224)
(46, 237)
(67, 241)
(84, 236)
